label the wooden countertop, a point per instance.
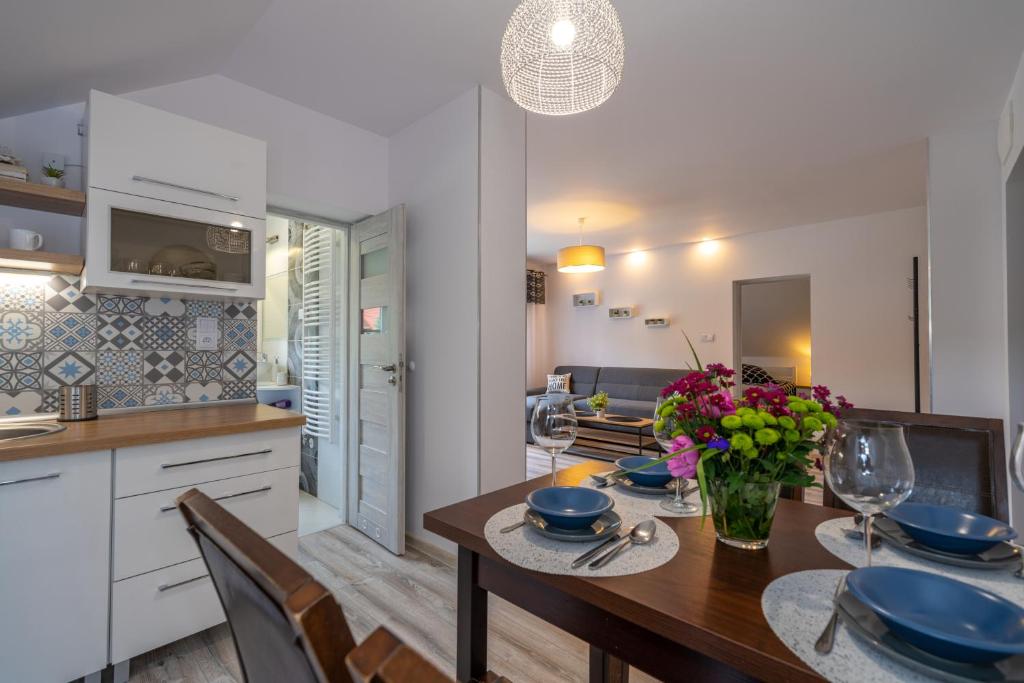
(147, 427)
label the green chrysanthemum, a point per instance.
(732, 422)
(766, 437)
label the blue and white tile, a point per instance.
(119, 331)
(164, 367)
(69, 331)
(123, 396)
(63, 295)
(22, 297)
(21, 331)
(163, 394)
(240, 310)
(63, 368)
(127, 305)
(203, 366)
(164, 305)
(238, 390)
(239, 334)
(14, 403)
(118, 367)
(163, 332)
(201, 392)
(20, 371)
(50, 402)
(203, 309)
(239, 365)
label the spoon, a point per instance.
(642, 534)
(605, 480)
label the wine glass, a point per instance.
(868, 466)
(553, 425)
(674, 503)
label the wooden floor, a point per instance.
(413, 595)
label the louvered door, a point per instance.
(376, 454)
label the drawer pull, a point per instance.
(144, 281)
(198, 190)
(9, 482)
(168, 508)
(171, 465)
(168, 586)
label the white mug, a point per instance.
(26, 239)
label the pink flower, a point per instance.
(717, 405)
(685, 464)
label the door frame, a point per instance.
(737, 314)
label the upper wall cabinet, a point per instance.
(174, 206)
(144, 151)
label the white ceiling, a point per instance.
(733, 116)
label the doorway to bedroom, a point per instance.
(772, 331)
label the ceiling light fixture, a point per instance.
(562, 56)
(582, 258)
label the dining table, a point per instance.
(696, 617)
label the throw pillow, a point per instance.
(560, 382)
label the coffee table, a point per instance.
(613, 437)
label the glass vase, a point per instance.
(743, 517)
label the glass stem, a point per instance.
(679, 491)
(867, 536)
(553, 466)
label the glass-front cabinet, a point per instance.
(146, 245)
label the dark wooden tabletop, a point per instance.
(707, 598)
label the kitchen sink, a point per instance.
(27, 431)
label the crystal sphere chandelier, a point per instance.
(562, 56)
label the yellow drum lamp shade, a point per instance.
(582, 258)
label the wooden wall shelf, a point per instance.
(42, 197)
(44, 261)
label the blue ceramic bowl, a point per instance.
(949, 529)
(655, 476)
(945, 617)
(569, 507)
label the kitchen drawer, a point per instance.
(144, 617)
(156, 467)
(150, 533)
(141, 150)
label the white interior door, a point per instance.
(376, 463)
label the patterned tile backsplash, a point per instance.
(139, 351)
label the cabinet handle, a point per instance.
(172, 465)
(168, 586)
(9, 482)
(198, 190)
(164, 283)
(172, 506)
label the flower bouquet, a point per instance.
(742, 450)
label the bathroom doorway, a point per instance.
(302, 352)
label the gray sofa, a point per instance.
(631, 391)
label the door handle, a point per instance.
(385, 368)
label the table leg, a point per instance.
(604, 668)
(471, 620)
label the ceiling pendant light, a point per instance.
(562, 56)
(582, 258)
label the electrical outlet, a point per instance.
(54, 160)
(586, 299)
(656, 322)
(621, 312)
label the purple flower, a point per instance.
(719, 443)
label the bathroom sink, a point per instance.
(27, 431)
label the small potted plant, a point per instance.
(599, 403)
(54, 177)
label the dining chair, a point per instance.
(958, 461)
(286, 625)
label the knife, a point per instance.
(590, 554)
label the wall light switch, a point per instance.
(207, 334)
(707, 337)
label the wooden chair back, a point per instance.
(958, 461)
(286, 625)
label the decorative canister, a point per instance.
(77, 403)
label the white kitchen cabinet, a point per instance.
(141, 150)
(126, 236)
(54, 566)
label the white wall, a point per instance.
(861, 337)
(502, 290)
(432, 169)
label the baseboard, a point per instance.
(430, 550)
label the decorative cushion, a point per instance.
(755, 374)
(560, 382)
